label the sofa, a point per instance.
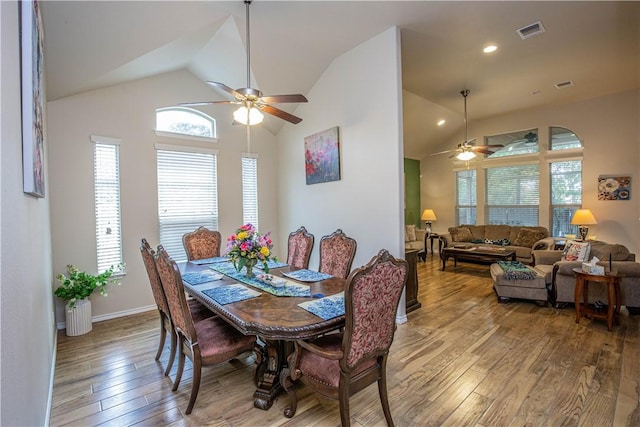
(415, 238)
(561, 279)
(521, 239)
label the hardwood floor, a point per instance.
(461, 360)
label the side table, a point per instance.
(612, 280)
(432, 237)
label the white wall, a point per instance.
(127, 112)
(360, 93)
(26, 320)
(610, 130)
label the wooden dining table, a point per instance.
(277, 321)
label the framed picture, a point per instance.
(322, 156)
(31, 47)
(614, 188)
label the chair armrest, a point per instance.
(333, 355)
(546, 257)
(446, 240)
(544, 244)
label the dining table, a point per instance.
(276, 320)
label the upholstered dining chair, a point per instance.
(336, 254)
(202, 243)
(339, 365)
(197, 310)
(300, 245)
(208, 342)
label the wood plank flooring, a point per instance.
(461, 360)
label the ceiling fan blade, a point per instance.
(491, 146)
(481, 150)
(471, 141)
(441, 152)
(279, 113)
(223, 87)
(193, 104)
(275, 99)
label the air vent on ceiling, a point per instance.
(531, 30)
(562, 85)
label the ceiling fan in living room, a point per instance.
(467, 150)
(252, 102)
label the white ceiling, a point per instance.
(596, 45)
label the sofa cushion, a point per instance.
(576, 251)
(602, 250)
(410, 233)
(527, 237)
(477, 231)
(460, 234)
(497, 232)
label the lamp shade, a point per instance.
(251, 116)
(428, 215)
(583, 217)
(465, 155)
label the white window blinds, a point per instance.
(566, 195)
(107, 202)
(513, 195)
(250, 190)
(187, 196)
(466, 197)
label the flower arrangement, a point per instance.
(77, 285)
(247, 247)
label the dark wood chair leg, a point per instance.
(343, 399)
(382, 390)
(163, 334)
(289, 386)
(195, 386)
(172, 353)
(180, 366)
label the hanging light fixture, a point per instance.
(466, 153)
(248, 114)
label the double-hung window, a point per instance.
(566, 195)
(250, 189)
(106, 171)
(466, 197)
(513, 195)
(187, 194)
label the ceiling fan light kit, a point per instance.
(465, 155)
(252, 102)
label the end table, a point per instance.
(432, 237)
(612, 280)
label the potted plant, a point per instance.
(75, 288)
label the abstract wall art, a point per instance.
(322, 156)
(614, 188)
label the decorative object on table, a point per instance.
(75, 288)
(32, 98)
(292, 289)
(614, 188)
(583, 218)
(428, 215)
(322, 156)
(247, 247)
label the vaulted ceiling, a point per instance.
(595, 45)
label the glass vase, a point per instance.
(249, 267)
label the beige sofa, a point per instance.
(415, 238)
(561, 279)
(521, 239)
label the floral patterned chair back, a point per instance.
(336, 254)
(299, 248)
(339, 365)
(202, 243)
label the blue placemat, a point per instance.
(272, 264)
(230, 293)
(305, 275)
(326, 308)
(291, 290)
(209, 260)
(201, 277)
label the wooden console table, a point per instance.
(412, 280)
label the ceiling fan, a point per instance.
(467, 150)
(252, 102)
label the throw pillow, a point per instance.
(460, 234)
(576, 251)
(410, 233)
(527, 237)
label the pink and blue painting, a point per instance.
(322, 156)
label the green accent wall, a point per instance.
(412, 191)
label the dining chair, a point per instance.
(339, 365)
(300, 245)
(202, 243)
(197, 310)
(336, 254)
(208, 342)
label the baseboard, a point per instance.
(401, 319)
(94, 319)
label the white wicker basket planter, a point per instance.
(79, 318)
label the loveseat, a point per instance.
(561, 279)
(415, 238)
(521, 239)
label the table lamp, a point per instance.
(428, 215)
(582, 218)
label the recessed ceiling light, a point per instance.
(441, 122)
(490, 48)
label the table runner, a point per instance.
(290, 290)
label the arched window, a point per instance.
(185, 121)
